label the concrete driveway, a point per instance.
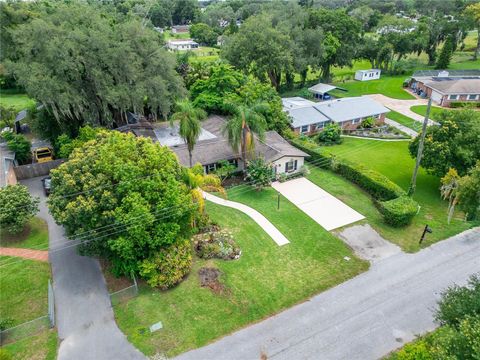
(84, 316)
(321, 206)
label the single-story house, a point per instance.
(365, 75)
(182, 44)
(213, 147)
(445, 86)
(308, 117)
(180, 29)
(320, 91)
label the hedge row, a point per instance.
(464, 104)
(398, 212)
(396, 208)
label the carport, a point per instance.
(321, 206)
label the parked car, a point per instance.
(327, 96)
(43, 154)
(47, 185)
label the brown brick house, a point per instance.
(308, 117)
(445, 87)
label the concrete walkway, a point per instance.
(401, 106)
(401, 127)
(261, 220)
(39, 255)
(84, 316)
(364, 318)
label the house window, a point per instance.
(304, 129)
(355, 121)
(291, 166)
(472, 97)
(453, 97)
(233, 162)
(209, 168)
(320, 126)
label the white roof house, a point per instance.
(182, 44)
(305, 112)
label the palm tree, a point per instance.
(244, 123)
(189, 118)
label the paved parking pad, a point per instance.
(320, 205)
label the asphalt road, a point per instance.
(84, 316)
(363, 318)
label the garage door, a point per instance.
(437, 97)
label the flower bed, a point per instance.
(218, 244)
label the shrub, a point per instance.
(400, 211)
(376, 184)
(216, 244)
(330, 135)
(367, 123)
(458, 302)
(19, 144)
(169, 266)
(17, 206)
(259, 172)
(417, 350)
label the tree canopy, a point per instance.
(87, 66)
(17, 206)
(123, 198)
(455, 143)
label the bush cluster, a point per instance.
(216, 244)
(400, 211)
(169, 266)
(396, 208)
(464, 104)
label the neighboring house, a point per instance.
(180, 29)
(308, 117)
(212, 147)
(182, 44)
(220, 40)
(158, 29)
(365, 75)
(7, 174)
(446, 86)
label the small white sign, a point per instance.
(156, 326)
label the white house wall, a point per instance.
(280, 163)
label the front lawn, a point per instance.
(392, 159)
(391, 86)
(435, 111)
(265, 280)
(405, 120)
(34, 236)
(41, 346)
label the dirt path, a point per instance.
(39, 255)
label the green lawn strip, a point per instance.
(23, 289)
(39, 346)
(404, 120)
(392, 159)
(267, 279)
(17, 101)
(391, 86)
(434, 111)
(34, 236)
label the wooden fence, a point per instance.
(29, 171)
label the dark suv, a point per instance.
(47, 185)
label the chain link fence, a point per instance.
(34, 326)
(125, 294)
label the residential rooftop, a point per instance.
(449, 86)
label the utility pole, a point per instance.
(413, 183)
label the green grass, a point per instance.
(435, 111)
(167, 35)
(265, 280)
(23, 289)
(17, 101)
(390, 86)
(392, 159)
(404, 120)
(42, 346)
(34, 236)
